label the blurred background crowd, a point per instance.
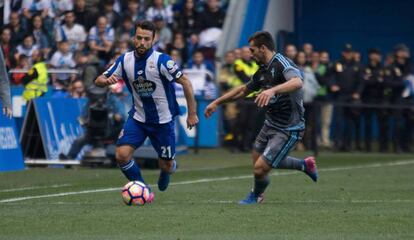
(66, 44)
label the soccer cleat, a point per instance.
(252, 199)
(164, 178)
(310, 168)
(151, 196)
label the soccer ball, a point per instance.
(136, 193)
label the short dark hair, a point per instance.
(146, 25)
(263, 38)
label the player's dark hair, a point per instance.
(263, 38)
(146, 25)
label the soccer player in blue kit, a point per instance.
(149, 76)
(279, 83)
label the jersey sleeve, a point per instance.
(115, 68)
(288, 68)
(169, 68)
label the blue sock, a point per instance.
(260, 185)
(132, 171)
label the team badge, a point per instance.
(170, 64)
(143, 87)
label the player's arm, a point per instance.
(112, 75)
(103, 81)
(192, 118)
(291, 85)
(232, 95)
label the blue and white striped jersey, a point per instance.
(150, 81)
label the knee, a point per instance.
(259, 172)
(122, 157)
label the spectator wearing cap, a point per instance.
(158, 8)
(395, 74)
(345, 83)
(373, 93)
(163, 34)
(71, 32)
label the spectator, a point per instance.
(114, 19)
(212, 16)
(395, 74)
(346, 87)
(245, 67)
(7, 48)
(126, 31)
(88, 67)
(356, 56)
(192, 44)
(62, 6)
(43, 8)
(62, 59)
(291, 51)
(187, 19)
(27, 47)
(158, 8)
(209, 90)
(83, 16)
(179, 44)
(77, 89)
(101, 38)
(308, 50)
(373, 93)
(237, 53)
(71, 32)
(135, 11)
(163, 33)
(23, 64)
(310, 89)
(36, 79)
(324, 96)
(17, 30)
(40, 35)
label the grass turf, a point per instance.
(369, 202)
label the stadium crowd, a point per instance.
(87, 36)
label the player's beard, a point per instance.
(141, 51)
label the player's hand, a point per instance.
(192, 120)
(7, 112)
(264, 97)
(210, 109)
(112, 80)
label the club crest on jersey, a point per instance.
(143, 87)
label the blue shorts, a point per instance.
(162, 136)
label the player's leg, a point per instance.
(162, 137)
(283, 161)
(131, 137)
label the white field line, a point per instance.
(35, 187)
(205, 180)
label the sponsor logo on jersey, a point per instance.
(143, 87)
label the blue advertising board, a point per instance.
(11, 157)
(58, 123)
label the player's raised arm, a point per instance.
(192, 118)
(232, 95)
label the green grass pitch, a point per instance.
(359, 196)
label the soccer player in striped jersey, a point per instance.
(279, 83)
(149, 76)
